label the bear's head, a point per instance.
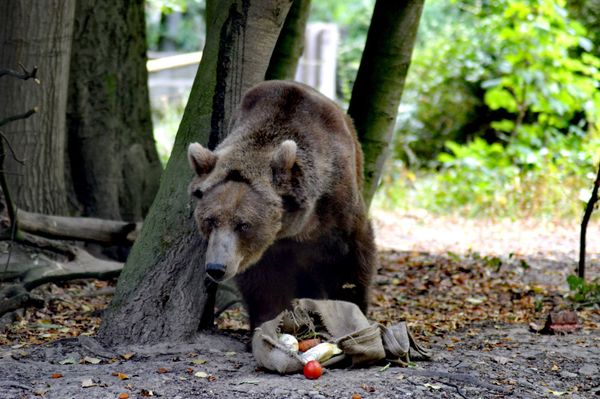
(238, 209)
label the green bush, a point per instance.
(536, 134)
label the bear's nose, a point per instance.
(215, 271)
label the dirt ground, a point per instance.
(468, 290)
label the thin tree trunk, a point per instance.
(589, 209)
(290, 43)
(113, 160)
(36, 33)
(161, 294)
(380, 81)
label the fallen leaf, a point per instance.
(123, 395)
(201, 374)
(557, 393)
(501, 359)
(87, 383)
(127, 356)
(56, 375)
(212, 378)
(230, 354)
(368, 388)
(433, 386)
(121, 376)
(146, 392)
(199, 361)
(162, 370)
(356, 396)
(91, 360)
(555, 367)
(68, 360)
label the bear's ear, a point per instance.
(284, 156)
(202, 160)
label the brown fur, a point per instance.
(280, 201)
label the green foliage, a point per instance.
(505, 105)
(582, 292)
(189, 34)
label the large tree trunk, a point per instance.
(161, 292)
(380, 80)
(290, 43)
(113, 159)
(34, 32)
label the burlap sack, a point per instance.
(339, 322)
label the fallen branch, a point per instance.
(16, 297)
(27, 272)
(589, 208)
(78, 228)
(83, 266)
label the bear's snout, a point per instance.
(215, 271)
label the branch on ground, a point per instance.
(78, 228)
(25, 276)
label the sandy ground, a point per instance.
(484, 361)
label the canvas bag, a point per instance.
(341, 323)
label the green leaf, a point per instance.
(497, 98)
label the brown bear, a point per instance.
(279, 201)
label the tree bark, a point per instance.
(380, 81)
(161, 294)
(113, 159)
(36, 33)
(290, 43)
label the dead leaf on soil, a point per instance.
(68, 360)
(87, 383)
(201, 374)
(501, 359)
(56, 375)
(146, 392)
(199, 361)
(121, 376)
(124, 395)
(162, 370)
(127, 356)
(368, 388)
(433, 386)
(91, 360)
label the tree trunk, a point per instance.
(380, 80)
(290, 43)
(36, 33)
(113, 160)
(161, 294)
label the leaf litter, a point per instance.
(455, 302)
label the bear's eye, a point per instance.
(210, 223)
(242, 227)
(197, 193)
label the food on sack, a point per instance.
(306, 344)
(313, 370)
(289, 341)
(321, 352)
